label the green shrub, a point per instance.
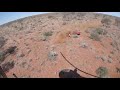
(48, 33)
(100, 31)
(51, 17)
(95, 36)
(102, 72)
(75, 36)
(106, 21)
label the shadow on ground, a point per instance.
(67, 73)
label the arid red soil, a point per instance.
(40, 39)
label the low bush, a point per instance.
(102, 72)
(7, 66)
(52, 55)
(100, 31)
(106, 21)
(2, 57)
(48, 33)
(2, 41)
(95, 34)
(117, 22)
(95, 37)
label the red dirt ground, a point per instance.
(36, 64)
